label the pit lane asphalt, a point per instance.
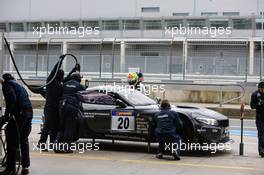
(129, 158)
(122, 158)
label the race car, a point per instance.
(117, 113)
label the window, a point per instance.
(150, 9)
(209, 14)
(16, 27)
(174, 23)
(180, 14)
(242, 23)
(259, 26)
(3, 27)
(136, 98)
(33, 25)
(92, 24)
(147, 54)
(71, 24)
(98, 98)
(217, 24)
(52, 25)
(152, 24)
(111, 25)
(131, 25)
(231, 13)
(196, 23)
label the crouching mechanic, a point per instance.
(257, 102)
(19, 115)
(168, 125)
(70, 106)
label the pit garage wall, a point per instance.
(180, 60)
(226, 62)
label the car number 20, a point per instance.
(123, 123)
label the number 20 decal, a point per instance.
(123, 123)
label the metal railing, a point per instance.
(220, 88)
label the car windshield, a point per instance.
(136, 97)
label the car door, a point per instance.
(104, 116)
(97, 111)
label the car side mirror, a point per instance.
(158, 100)
(120, 103)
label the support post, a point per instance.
(64, 51)
(122, 56)
(1, 73)
(241, 145)
(261, 60)
(12, 48)
(251, 57)
(185, 55)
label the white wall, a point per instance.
(36, 10)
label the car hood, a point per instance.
(203, 111)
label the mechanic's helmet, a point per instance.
(165, 104)
(261, 84)
(132, 78)
(7, 77)
(76, 76)
(140, 77)
(60, 75)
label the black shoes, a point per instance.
(261, 155)
(159, 156)
(63, 151)
(7, 172)
(25, 171)
(176, 156)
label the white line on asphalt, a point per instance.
(244, 127)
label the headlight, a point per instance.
(203, 119)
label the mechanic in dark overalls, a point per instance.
(19, 115)
(168, 125)
(257, 102)
(70, 106)
(51, 109)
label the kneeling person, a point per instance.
(167, 124)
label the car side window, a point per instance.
(99, 98)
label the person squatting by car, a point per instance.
(257, 102)
(167, 128)
(18, 114)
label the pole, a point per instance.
(246, 66)
(1, 73)
(37, 54)
(241, 145)
(170, 68)
(100, 61)
(113, 58)
(261, 59)
(48, 54)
